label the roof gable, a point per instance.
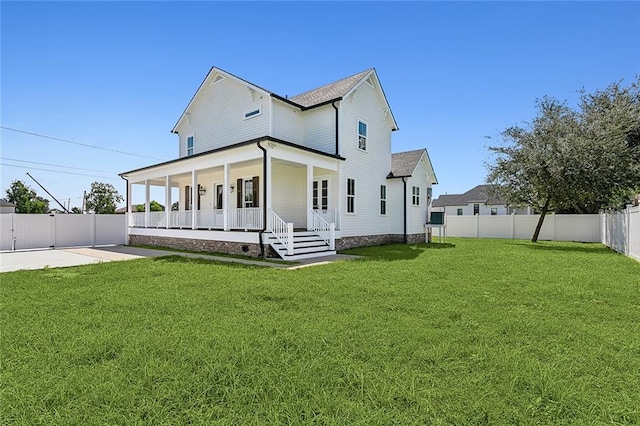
(404, 164)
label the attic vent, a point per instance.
(369, 81)
(216, 79)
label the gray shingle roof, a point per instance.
(5, 203)
(478, 194)
(328, 92)
(404, 163)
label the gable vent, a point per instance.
(216, 79)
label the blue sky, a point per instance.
(118, 74)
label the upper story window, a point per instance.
(190, 145)
(494, 211)
(253, 113)
(362, 135)
(351, 196)
(476, 209)
(459, 212)
(415, 195)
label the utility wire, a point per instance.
(57, 165)
(56, 171)
(78, 143)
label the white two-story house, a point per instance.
(258, 173)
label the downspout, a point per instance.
(333, 104)
(264, 192)
(404, 236)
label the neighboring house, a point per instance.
(478, 200)
(306, 175)
(6, 206)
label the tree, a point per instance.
(102, 198)
(578, 161)
(154, 206)
(26, 199)
(76, 210)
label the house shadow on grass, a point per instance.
(393, 252)
(575, 247)
(204, 261)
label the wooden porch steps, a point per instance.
(306, 244)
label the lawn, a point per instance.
(469, 332)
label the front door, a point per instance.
(321, 194)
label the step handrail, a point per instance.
(326, 230)
(282, 230)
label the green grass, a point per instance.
(471, 332)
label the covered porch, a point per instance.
(266, 185)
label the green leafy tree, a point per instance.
(154, 206)
(566, 160)
(26, 199)
(76, 210)
(102, 198)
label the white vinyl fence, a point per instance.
(30, 231)
(621, 231)
(556, 227)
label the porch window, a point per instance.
(351, 195)
(383, 199)
(248, 192)
(415, 195)
(362, 135)
(190, 145)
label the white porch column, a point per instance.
(194, 204)
(147, 195)
(309, 196)
(129, 211)
(167, 201)
(226, 188)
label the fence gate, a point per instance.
(32, 231)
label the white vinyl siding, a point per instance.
(320, 129)
(370, 168)
(287, 123)
(216, 115)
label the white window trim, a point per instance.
(259, 113)
(186, 145)
(355, 192)
(386, 201)
(413, 196)
(366, 141)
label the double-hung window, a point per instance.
(351, 196)
(190, 145)
(362, 135)
(476, 209)
(415, 195)
(383, 199)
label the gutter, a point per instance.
(404, 237)
(264, 196)
(333, 104)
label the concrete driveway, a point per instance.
(48, 258)
(57, 258)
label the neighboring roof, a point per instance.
(403, 164)
(5, 203)
(237, 145)
(310, 99)
(329, 92)
(478, 194)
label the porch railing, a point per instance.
(326, 230)
(329, 216)
(245, 219)
(280, 229)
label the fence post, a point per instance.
(513, 225)
(93, 229)
(477, 225)
(52, 224)
(553, 238)
(627, 248)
